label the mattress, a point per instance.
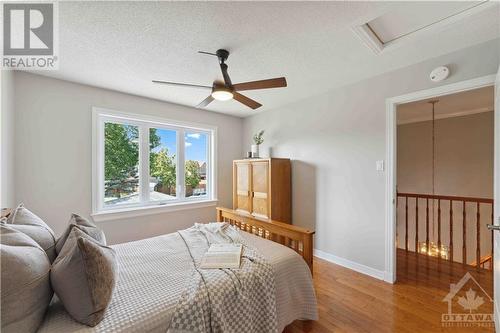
(152, 276)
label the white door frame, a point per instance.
(496, 198)
(391, 141)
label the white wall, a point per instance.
(53, 134)
(7, 189)
(334, 140)
(463, 167)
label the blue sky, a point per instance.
(196, 144)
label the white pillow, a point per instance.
(84, 225)
(25, 221)
(25, 280)
(83, 277)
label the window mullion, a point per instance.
(181, 188)
(100, 157)
(144, 164)
(208, 172)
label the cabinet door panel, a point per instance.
(260, 189)
(242, 191)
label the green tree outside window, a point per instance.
(192, 174)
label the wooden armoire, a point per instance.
(263, 188)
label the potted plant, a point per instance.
(258, 139)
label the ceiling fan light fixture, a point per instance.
(222, 95)
(225, 90)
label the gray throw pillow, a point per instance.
(84, 225)
(25, 273)
(25, 221)
(83, 277)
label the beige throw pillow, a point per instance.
(25, 221)
(84, 225)
(83, 277)
(26, 291)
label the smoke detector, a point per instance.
(439, 74)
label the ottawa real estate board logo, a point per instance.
(30, 35)
(469, 305)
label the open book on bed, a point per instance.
(225, 255)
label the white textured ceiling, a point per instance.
(124, 45)
(453, 105)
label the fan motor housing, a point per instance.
(222, 54)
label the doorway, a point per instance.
(392, 194)
(440, 189)
(445, 177)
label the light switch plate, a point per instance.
(380, 165)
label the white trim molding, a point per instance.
(457, 87)
(496, 199)
(390, 210)
(496, 313)
(146, 210)
(391, 141)
(360, 268)
(368, 37)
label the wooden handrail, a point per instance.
(445, 197)
(483, 261)
(281, 225)
(466, 225)
(297, 238)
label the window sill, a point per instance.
(129, 212)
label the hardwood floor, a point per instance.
(352, 302)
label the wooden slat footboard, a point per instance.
(297, 238)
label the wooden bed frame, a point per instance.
(297, 238)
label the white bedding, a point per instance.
(152, 276)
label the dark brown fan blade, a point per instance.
(182, 84)
(261, 84)
(205, 102)
(247, 101)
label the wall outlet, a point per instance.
(379, 165)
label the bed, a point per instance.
(153, 274)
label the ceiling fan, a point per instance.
(224, 91)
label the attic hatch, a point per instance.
(414, 18)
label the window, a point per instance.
(121, 164)
(162, 164)
(141, 162)
(195, 164)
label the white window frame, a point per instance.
(101, 213)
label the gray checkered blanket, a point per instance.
(225, 300)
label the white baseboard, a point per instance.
(350, 264)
